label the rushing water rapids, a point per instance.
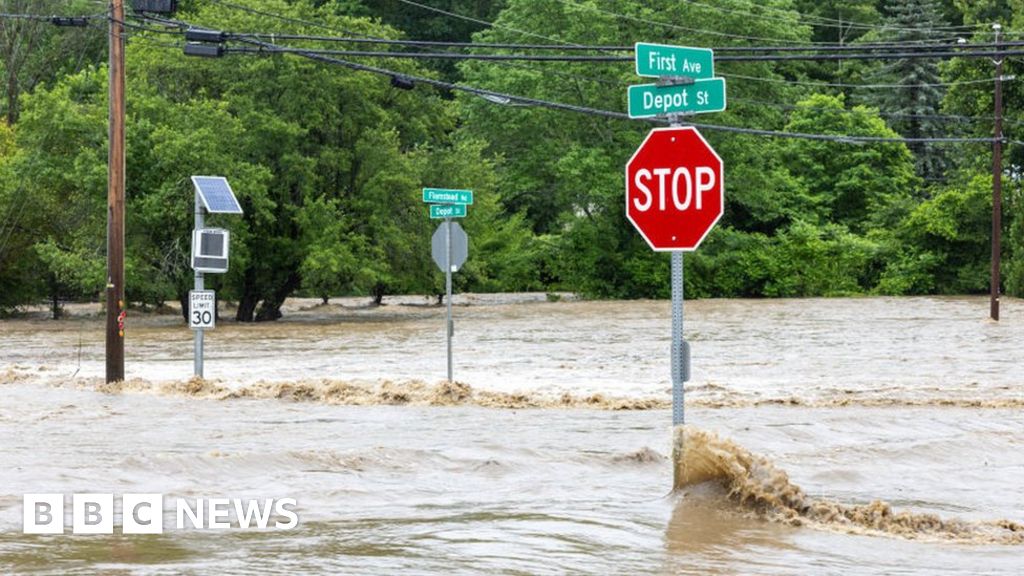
(853, 436)
(754, 482)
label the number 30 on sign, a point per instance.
(201, 309)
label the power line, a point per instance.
(557, 44)
(503, 97)
(873, 56)
(843, 85)
(558, 58)
(865, 51)
(753, 78)
(607, 13)
(886, 46)
(630, 59)
(274, 37)
(939, 117)
(449, 55)
(819, 48)
(711, 32)
(492, 95)
(897, 115)
(11, 16)
(512, 65)
(959, 51)
(577, 58)
(144, 28)
(825, 22)
(52, 18)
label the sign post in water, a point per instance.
(674, 196)
(449, 245)
(674, 181)
(210, 247)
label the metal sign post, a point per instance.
(449, 248)
(213, 194)
(680, 354)
(675, 219)
(448, 289)
(198, 285)
(683, 215)
(449, 245)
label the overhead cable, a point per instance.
(501, 96)
(630, 59)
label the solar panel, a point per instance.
(216, 195)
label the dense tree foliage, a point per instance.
(915, 98)
(328, 162)
(34, 51)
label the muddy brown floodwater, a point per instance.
(824, 436)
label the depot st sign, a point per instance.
(674, 189)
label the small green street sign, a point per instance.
(446, 196)
(658, 60)
(647, 100)
(447, 210)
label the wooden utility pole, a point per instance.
(997, 182)
(115, 198)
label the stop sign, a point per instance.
(674, 188)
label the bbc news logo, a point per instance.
(144, 513)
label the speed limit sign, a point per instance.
(201, 309)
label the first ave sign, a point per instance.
(674, 189)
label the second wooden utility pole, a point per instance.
(997, 183)
(115, 198)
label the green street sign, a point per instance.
(658, 60)
(647, 100)
(446, 196)
(447, 210)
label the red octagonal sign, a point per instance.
(674, 188)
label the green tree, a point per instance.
(331, 262)
(973, 96)
(335, 140)
(563, 171)
(504, 255)
(34, 51)
(917, 95)
(840, 21)
(945, 243)
(168, 142)
(986, 11)
(861, 186)
(61, 168)
(434, 21)
(827, 219)
(19, 282)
